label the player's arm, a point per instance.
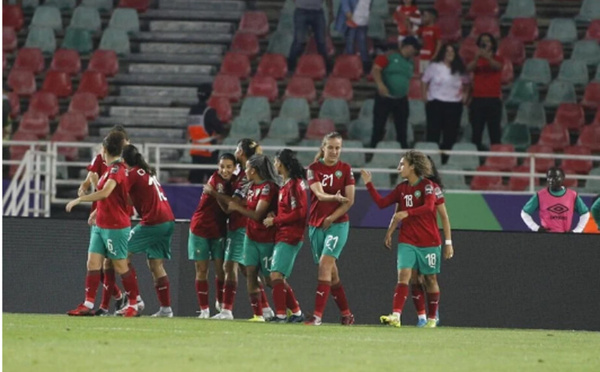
(317, 189)
(97, 196)
(584, 215)
(342, 209)
(257, 215)
(448, 248)
(596, 212)
(391, 228)
(91, 179)
(529, 208)
(92, 217)
(428, 206)
(296, 214)
(382, 202)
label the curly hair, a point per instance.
(419, 161)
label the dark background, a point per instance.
(496, 279)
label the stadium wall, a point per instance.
(497, 279)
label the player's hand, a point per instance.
(72, 204)
(341, 198)
(92, 220)
(271, 214)
(326, 223)
(388, 241)
(209, 190)
(366, 176)
(400, 216)
(448, 251)
(233, 206)
(83, 189)
(268, 222)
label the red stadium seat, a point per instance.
(301, 87)
(59, 83)
(9, 39)
(596, 120)
(467, 50)
(583, 166)
(70, 153)
(550, 50)
(17, 152)
(524, 29)
(273, 65)
(521, 183)
(485, 25)
(348, 66)
(504, 163)
(15, 104)
(338, 88)
(311, 46)
(139, 5)
(448, 7)
(236, 64)
(93, 82)
(311, 66)
(484, 183)
(74, 123)
(245, 44)
(541, 164)
(317, 128)
(104, 62)
(593, 30)
(508, 74)
(228, 87)
(36, 123)
(414, 89)
(30, 59)
(254, 22)
(450, 27)
(590, 137)
(570, 116)
(45, 103)
(570, 180)
(12, 16)
(483, 8)
(512, 49)
(554, 136)
(263, 86)
(86, 104)
(223, 107)
(591, 96)
(66, 60)
(22, 82)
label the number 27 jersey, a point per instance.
(148, 198)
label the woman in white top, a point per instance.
(444, 87)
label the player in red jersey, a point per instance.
(153, 234)
(291, 223)
(109, 236)
(261, 199)
(208, 229)
(419, 239)
(332, 184)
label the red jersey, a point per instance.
(239, 185)
(402, 12)
(255, 230)
(113, 212)
(430, 35)
(291, 212)
(209, 220)
(148, 198)
(98, 166)
(487, 82)
(333, 179)
(420, 227)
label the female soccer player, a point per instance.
(207, 230)
(291, 223)
(419, 240)
(109, 236)
(332, 185)
(260, 240)
(153, 234)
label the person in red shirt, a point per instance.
(431, 40)
(332, 184)
(419, 238)
(408, 18)
(153, 234)
(208, 228)
(291, 223)
(109, 236)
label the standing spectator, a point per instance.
(309, 13)
(392, 73)
(408, 18)
(429, 33)
(486, 105)
(352, 21)
(443, 89)
(204, 127)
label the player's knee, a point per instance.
(430, 280)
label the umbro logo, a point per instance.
(558, 209)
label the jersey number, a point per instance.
(408, 200)
(152, 181)
(267, 262)
(109, 246)
(327, 179)
(330, 242)
(431, 258)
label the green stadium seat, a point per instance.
(355, 159)
(593, 186)
(587, 51)
(376, 27)
(86, 18)
(307, 157)
(536, 70)
(275, 142)
(563, 30)
(116, 40)
(337, 110)
(416, 113)
(229, 141)
(257, 108)
(41, 38)
(518, 135)
(597, 76)
(430, 146)
(280, 43)
(284, 128)
(78, 39)
(519, 9)
(386, 160)
(101, 5)
(125, 19)
(574, 71)
(286, 23)
(296, 108)
(523, 91)
(466, 162)
(47, 16)
(453, 181)
(560, 92)
(26, 4)
(361, 130)
(61, 4)
(590, 10)
(380, 8)
(289, 6)
(243, 127)
(380, 180)
(532, 114)
(366, 109)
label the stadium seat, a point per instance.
(335, 109)
(593, 186)
(245, 128)
(277, 143)
(78, 39)
(30, 59)
(541, 164)
(593, 31)
(574, 71)
(366, 109)
(414, 89)
(554, 136)
(22, 82)
(297, 109)
(17, 152)
(273, 65)
(318, 128)
(430, 146)
(361, 129)
(516, 183)
(284, 128)
(523, 91)
(74, 123)
(139, 5)
(590, 137)
(61, 4)
(245, 44)
(467, 50)
(376, 28)
(596, 120)
(236, 64)
(15, 104)
(301, 87)
(380, 8)
(36, 123)
(383, 160)
(311, 66)
(125, 19)
(45, 103)
(66, 60)
(587, 51)
(227, 86)
(69, 153)
(512, 49)
(223, 108)
(559, 92)
(104, 62)
(570, 116)
(42, 38)
(101, 5)
(93, 82)
(254, 22)
(532, 114)
(355, 159)
(85, 104)
(524, 29)
(590, 10)
(452, 181)
(311, 46)
(597, 76)
(450, 28)
(416, 113)
(448, 7)
(536, 70)
(348, 66)
(550, 50)
(508, 72)
(483, 8)
(485, 25)
(280, 43)
(337, 87)
(307, 157)
(563, 30)
(47, 16)
(486, 183)
(519, 9)
(9, 39)
(117, 40)
(86, 18)
(504, 163)
(257, 108)
(263, 86)
(570, 180)
(59, 83)
(591, 96)
(466, 162)
(518, 135)
(580, 166)
(12, 16)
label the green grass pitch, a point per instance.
(61, 343)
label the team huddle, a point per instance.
(251, 219)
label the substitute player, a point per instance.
(153, 234)
(109, 236)
(332, 184)
(291, 223)
(419, 240)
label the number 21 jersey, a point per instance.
(148, 198)
(332, 178)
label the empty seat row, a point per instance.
(571, 70)
(78, 39)
(67, 60)
(558, 92)
(23, 83)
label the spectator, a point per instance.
(407, 18)
(204, 127)
(444, 90)
(309, 13)
(392, 72)
(486, 103)
(352, 21)
(429, 33)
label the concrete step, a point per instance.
(203, 5)
(189, 80)
(177, 48)
(144, 122)
(189, 15)
(200, 37)
(203, 59)
(140, 90)
(149, 112)
(153, 101)
(205, 27)
(150, 68)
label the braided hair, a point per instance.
(288, 158)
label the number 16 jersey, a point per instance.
(332, 178)
(148, 198)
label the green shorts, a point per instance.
(202, 249)
(234, 246)
(111, 243)
(284, 256)
(328, 242)
(153, 240)
(426, 260)
(258, 254)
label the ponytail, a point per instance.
(134, 158)
(288, 158)
(249, 147)
(321, 153)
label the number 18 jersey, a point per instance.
(148, 198)
(332, 178)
